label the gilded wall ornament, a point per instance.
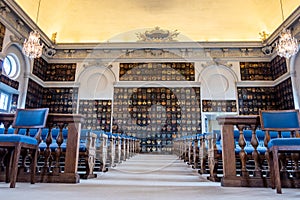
(157, 35)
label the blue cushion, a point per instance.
(18, 138)
(284, 142)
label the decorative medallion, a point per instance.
(157, 35)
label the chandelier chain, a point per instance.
(282, 15)
(38, 12)
(32, 47)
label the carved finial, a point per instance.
(263, 36)
(53, 37)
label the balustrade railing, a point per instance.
(51, 171)
(258, 173)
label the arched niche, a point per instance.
(96, 82)
(295, 75)
(218, 82)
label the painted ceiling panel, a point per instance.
(78, 21)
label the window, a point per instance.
(11, 66)
(4, 101)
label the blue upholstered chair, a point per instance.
(281, 122)
(24, 119)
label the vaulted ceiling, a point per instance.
(78, 21)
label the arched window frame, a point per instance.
(11, 66)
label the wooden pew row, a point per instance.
(245, 161)
(60, 165)
(192, 150)
(240, 163)
(113, 149)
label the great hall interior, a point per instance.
(151, 82)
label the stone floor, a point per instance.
(144, 176)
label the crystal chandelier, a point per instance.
(287, 45)
(32, 47)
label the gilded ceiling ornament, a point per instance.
(157, 35)
(53, 37)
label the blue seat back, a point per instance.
(30, 118)
(281, 120)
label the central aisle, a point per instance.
(152, 170)
(144, 177)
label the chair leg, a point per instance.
(276, 172)
(33, 165)
(272, 175)
(8, 164)
(14, 169)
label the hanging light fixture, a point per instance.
(286, 45)
(32, 47)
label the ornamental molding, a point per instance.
(97, 64)
(216, 62)
(163, 53)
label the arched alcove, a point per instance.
(96, 83)
(295, 73)
(218, 82)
